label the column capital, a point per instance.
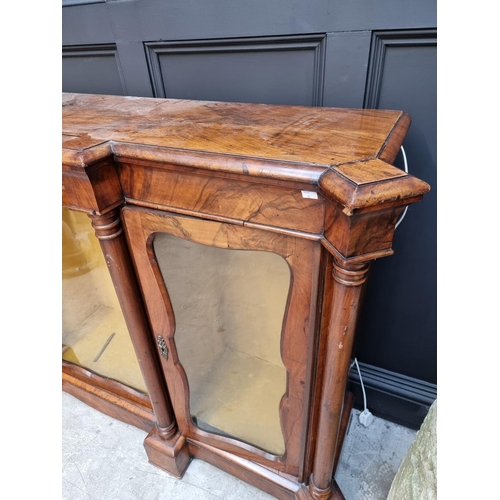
(107, 226)
(351, 274)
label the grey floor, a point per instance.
(103, 459)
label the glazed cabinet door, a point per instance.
(233, 313)
(94, 333)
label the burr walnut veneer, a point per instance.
(188, 197)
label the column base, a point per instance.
(171, 455)
(311, 492)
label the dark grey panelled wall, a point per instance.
(364, 53)
(402, 75)
(92, 70)
(278, 70)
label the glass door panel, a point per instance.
(229, 307)
(95, 335)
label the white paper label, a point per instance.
(310, 194)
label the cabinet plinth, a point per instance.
(238, 238)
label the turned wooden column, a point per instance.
(344, 304)
(109, 231)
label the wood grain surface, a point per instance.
(345, 152)
(317, 136)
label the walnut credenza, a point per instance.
(238, 238)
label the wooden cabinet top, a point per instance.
(345, 152)
(319, 136)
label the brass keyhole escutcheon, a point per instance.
(162, 346)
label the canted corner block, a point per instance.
(366, 200)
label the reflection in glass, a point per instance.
(94, 332)
(229, 307)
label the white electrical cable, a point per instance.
(361, 382)
(406, 170)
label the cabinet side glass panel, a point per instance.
(229, 308)
(94, 333)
